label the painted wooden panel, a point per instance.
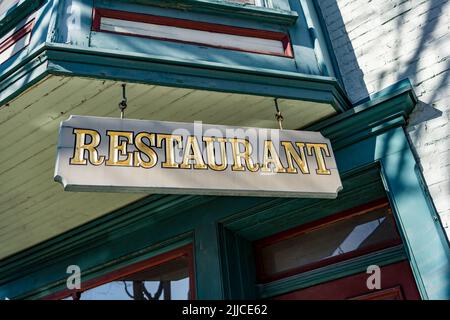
(14, 48)
(301, 55)
(251, 44)
(16, 40)
(34, 208)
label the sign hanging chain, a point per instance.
(123, 104)
(278, 115)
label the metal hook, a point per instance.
(278, 115)
(123, 104)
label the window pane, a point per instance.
(358, 232)
(167, 281)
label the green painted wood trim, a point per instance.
(331, 272)
(208, 269)
(23, 78)
(238, 268)
(385, 110)
(18, 12)
(264, 14)
(101, 244)
(123, 221)
(110, 266)
(67, 60)
(425, 240)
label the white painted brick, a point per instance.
(441, 194)
(382, 42)
(445, 219)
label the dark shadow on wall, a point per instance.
(351, 73)
(424, 111)
(353, 76)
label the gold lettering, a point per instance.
(145, 149)
(81, 146)
(118, 149)
(170, 141)
(246, 155)
(211, 154)
(300, 159)
(321, 165)
(196, 155)
(271, 156)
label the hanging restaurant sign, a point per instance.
(124, 155)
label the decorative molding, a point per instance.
(387, 109)
(264, 14)
(92, 234)
(67, 60)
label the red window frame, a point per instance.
(185, 251)
(397, 281)
(259, 244)
(193, 25)
(15, 37)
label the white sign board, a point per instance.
(124, 155)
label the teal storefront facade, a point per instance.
(60, 46)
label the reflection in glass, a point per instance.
(359, 232)
(166, 281)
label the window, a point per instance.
(16, 40)
(165, 277)
(336, 238)
(192, 32)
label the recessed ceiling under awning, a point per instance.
(34, 208)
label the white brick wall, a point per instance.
(379, 42)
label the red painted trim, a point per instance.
(394, 293)
(320, 223)
(193, 25)
(394, 277)
(10, 41)
(185, 251)
(380, 203)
